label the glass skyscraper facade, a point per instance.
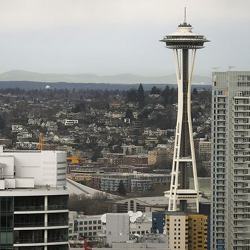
(6, 222)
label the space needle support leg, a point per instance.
(196, 187)
(175, 166)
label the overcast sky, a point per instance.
(109, 37)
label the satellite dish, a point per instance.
(137, 235)
(139, 214)
(104, 218)
(133, 218)
(130, 213)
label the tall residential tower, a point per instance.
(184, 43)
(230, 211)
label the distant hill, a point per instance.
(29, 85)
(20, 75)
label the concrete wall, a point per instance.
(117, 228)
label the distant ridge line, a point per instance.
(21, 75)
(31, 85)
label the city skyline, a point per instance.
(131, 161)
(116, 37)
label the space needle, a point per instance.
(184, 44)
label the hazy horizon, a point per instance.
(93, 78)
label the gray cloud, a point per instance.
(117, 36)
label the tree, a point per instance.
(129, 114)
(195, 91)
(2, 123)
(169, 95)
(141, 96)
(165, 95)
(98, 204)
(97, 154)
(121, 189)
(80, 107)
(132, 95)
(155, 91)
(173, 96)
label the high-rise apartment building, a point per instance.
(33, 200)
(230, 210)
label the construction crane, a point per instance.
(75, 160)
(40, 145)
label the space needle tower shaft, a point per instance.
(184, 44)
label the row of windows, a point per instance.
(89, 228)
(88, 234)
(242, 101)
(243, 93)
(140, 232)
(90, 222)
(219, 99)
(243, 78)
(242, 108)
(243, 84)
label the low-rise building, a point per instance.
(141, 159)
(131, 181)
(186, 231)
(161, 154)
(143, 204)
(70, 122)
(82, 226)
(133, 149)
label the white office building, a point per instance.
(230, 211)
(33, 200)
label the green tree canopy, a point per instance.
(121, 189)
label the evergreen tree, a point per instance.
(121, 189)
(132, 95)
(195, 91)
(141, 96)
(2, 123)
(155, 91)
(165, 94)
(173, 96)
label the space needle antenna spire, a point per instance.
(185, 14)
